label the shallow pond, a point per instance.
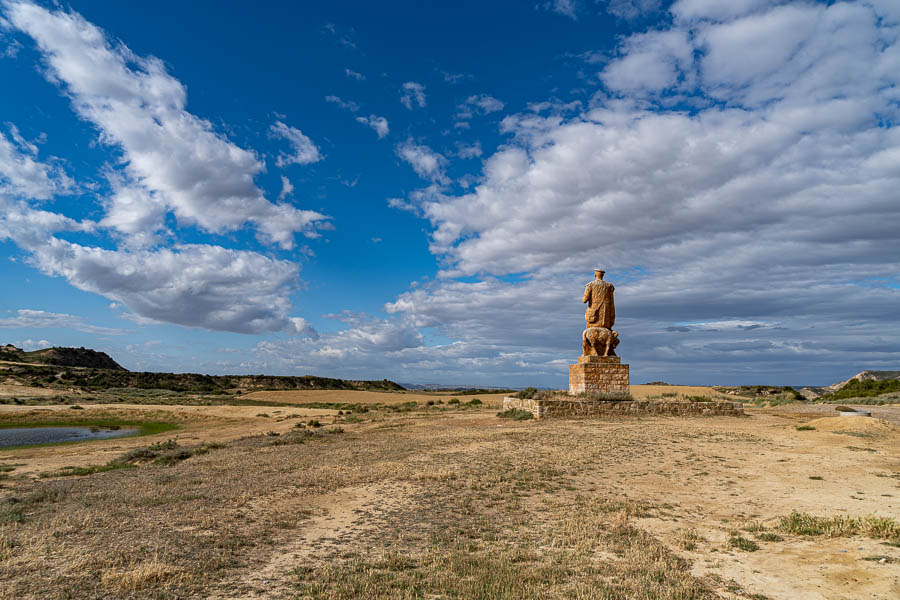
(22, 436)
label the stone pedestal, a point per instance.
(604, 374)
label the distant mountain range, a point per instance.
(433, 387)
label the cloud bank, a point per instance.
(171, 162)
(739, 165)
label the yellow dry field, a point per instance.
(22, 391)
(402, 502)
(359, 397)
(641, 392)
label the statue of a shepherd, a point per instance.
(601, 311)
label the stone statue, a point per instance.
(600, 312)
(599, 341)
(598, 338)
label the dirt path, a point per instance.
(337, 520)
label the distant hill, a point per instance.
(865, 376)
(64, 357)
(92, 370)
(865, 384)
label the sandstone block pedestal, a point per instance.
(604, 374)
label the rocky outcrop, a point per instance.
(865, 376)
(809, 393)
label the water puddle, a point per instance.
(22, 436)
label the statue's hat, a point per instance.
(599, 269)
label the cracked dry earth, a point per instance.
(461, 504)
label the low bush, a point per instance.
(162, 453)
(527, 394)
(736, 541)
(863, 389)
(303, 436)
(595, 395)
(515, 414)
(884, 528)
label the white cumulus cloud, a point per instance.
(427, 163)
(412, 93)
(304, 151)
(138, 107)
(379, 124)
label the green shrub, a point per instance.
(527, 394)
(697, 398)
(595, 395)
(305, 435)
(805, 428)
(863, 389)
(89, 470)
(453, 401)
(11, 513)
(474, 402)
(163, 453)
(515, 414)
(736, 541)
(873, 526)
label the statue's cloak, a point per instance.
(601, 311)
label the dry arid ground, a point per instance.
(450, 501)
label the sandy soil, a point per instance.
(812, 411)
(709, 477)
(25, 391)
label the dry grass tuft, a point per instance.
(881, 528)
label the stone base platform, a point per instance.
(598, 374)
(572, 407)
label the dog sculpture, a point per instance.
(599, 341)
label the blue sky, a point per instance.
(420, 191)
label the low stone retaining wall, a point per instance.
(566, 407)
